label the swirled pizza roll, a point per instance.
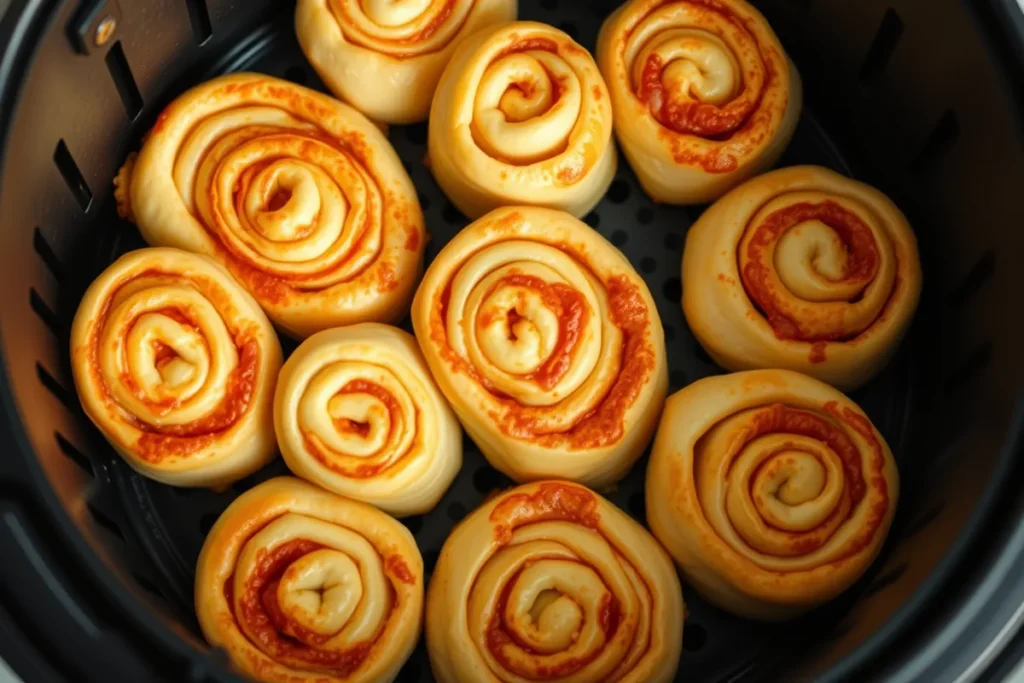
(385, 57)
(704, 95)
(300, 585)
(176, 365)
(772, 491)
(522, 116)
(547, 343)
(358, 413)
(803, 269)
(299, 195)
(551, 582)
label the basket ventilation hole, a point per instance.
(47, 255)
(885, 580)
(486, 480)
(938, 144)
(976, 277)
(618, 192)
(695, 637)
(457, 511)
(148, 586)
(59, 391)
(673, 290)
(121, 73)
(413, 524)
(199, 18)
(74, 454)
(105, 522)
(44, 312)
(593, 219)
(72, 175)
(921, 522)
(887, 37)
(971, 366)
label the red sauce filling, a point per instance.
(274, 288)
(780, 418)
(499, 637)
(569, 307)
(605, 423)
(551, 502)
(279, 634)
(183, 440)
(528, 45)
(744, 122)
(818, 354)
(783, 419)
(862, 262)
(395, 566)
(432, 26)
(689, 117)
(412, 239)
(328, 459)
(176, 441)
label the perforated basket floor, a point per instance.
(165, 527)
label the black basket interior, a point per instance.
(882, 104)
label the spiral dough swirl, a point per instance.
(802, 269)
(704, 94)
(385, 57)
(298, 584)
(772, 490)
(301, 197)
(547, 344)
(522, 117)
(550, 582)
(358, 413)
(176, 365)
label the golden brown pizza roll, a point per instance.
(803, 269)
(772, 491)
(176, 365)
(385, 57)
(299, 585)
(299, 195)
(522, 116)
(551, 582)
(547, 344)
(358, 413)
(704, 95)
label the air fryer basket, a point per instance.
(917, 97)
